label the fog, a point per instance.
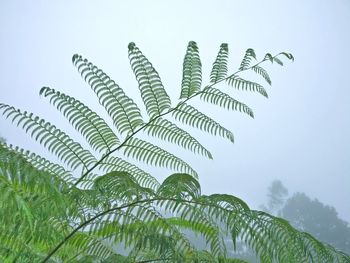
(300, 134)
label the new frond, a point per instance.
(262, 72)
(152, 91)
(123, 110)
(191, 72)
(191, 116)
(84, 120)
(219, 70)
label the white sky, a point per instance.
(300, 135)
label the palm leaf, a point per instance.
(168, 131)
(50, 137)
(123, 110)
(219, 70)
(243, 84)
(192, 72)
(152, 91)
(191, 116)
(84, 120)
(151, 154)
(217, 97)
(249, 55)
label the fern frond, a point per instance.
(278, 61)
(168, 131)
(219, 70)
(217, 97)
(243, 84)
(180, 186)
(191, 72)
(112, 163)
(287, 55)
(262, 72)
(189, 115)
(124, 112)
(249, 55)
(55, 140)
(153, 155)
(41, 163)
(88, 123)
(152, 91)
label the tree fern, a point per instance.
(149, 153)
(247, 59)
(217, 97)
(84, 120)
(219, 70)
(243, 84)
(48, 135)
(123, 110)
(191, 116)
(192, 72)
(152, 91)
(45, 217)
(168, 131)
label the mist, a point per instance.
(300, 134)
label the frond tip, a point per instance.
(219, 70)
(152, 91)
(192, 72)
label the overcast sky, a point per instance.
(300, 135)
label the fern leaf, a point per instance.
(168, 131)
(269, 57)
(124, 112)
(262, 72)
(219, 70)
(192, 72)
(288, 55)
(278, 61)
(112, 163)
(217, 97)
(249, 55)
(151, 154)
(84, 120)
(152, 91)
(41, 163)
(51, 137)
(191, 116)
(243, 84)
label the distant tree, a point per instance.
(318, 219)
(277, 194)
(2, 139)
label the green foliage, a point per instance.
(109, 210)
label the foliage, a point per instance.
(99, 207)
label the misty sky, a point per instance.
(300, 135)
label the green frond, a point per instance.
(124, 112)
(219, 70)
(243, 84)
(278, 61)
(152, 91)
(168, 131)
(181, 186)
(153, 155)
(217, 97)
(249, 55)
(41, 163)
(189, 115)
(112, 163)
(269, 57)
(287, 55)
(191, 72)
(262, 72)
(88, 123)
(55, 140)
